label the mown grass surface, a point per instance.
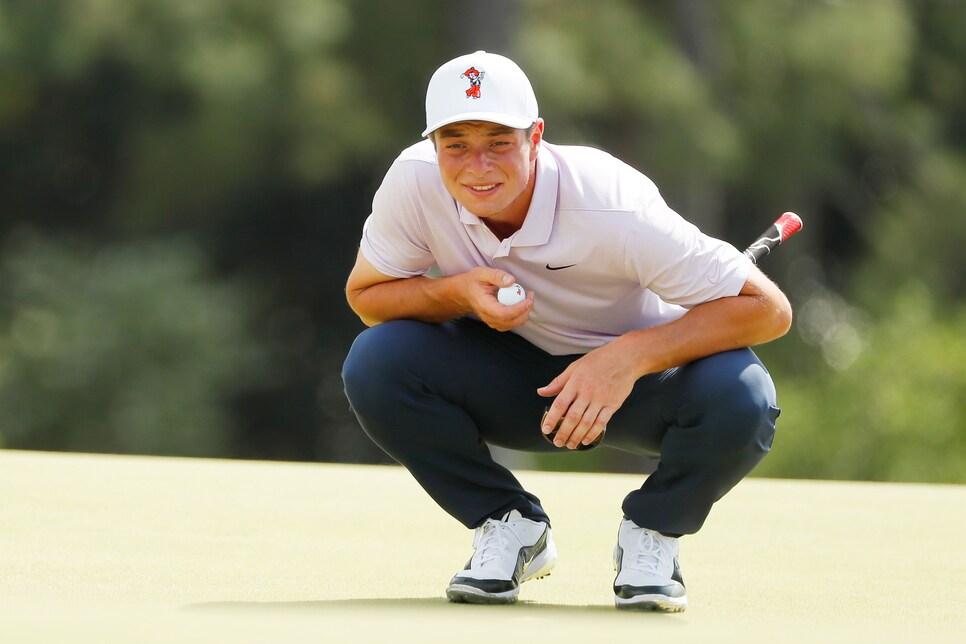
(107, 548)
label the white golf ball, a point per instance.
(510, 295)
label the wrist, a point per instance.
(449, 294)
(642, 352)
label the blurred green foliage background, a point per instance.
(184, 184)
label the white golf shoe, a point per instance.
(508, 552)
(648, 575)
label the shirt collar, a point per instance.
(539, 220)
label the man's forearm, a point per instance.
(721, 325)
(417, 298)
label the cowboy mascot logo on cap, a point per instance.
(475, 76)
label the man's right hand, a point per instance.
(481, 288)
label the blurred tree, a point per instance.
(240, 124)
(124, 348)
(894, 413)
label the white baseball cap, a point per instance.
(480, 87)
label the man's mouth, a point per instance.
(485, 188)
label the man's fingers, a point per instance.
(499, 277)
(510, 317)
(555, 388)
(571, 420)
(577, 433)
(586, 429)
(598, 428)
(551, 420)
(504, 318)
(520, 309)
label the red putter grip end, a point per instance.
(788, 224)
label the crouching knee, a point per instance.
(387, 365)
(749, 409)
(368, 371)
(735, 407)
(749, 417)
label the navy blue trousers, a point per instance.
(432, 396)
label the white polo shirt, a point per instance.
(601, 251)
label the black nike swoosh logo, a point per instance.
(558, 268)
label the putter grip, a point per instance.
(783, 228)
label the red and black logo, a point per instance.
(475, 77)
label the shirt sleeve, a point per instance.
(392, 238)
(673, 259)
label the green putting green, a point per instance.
(111, 548)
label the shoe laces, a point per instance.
(491, 540)
(647, 558)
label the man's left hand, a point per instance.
(588, 393)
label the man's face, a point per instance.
(489, 168)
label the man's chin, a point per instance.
(479, 210)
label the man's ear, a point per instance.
(536, 137)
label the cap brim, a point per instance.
(516, 122)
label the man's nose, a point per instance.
(480, 162)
